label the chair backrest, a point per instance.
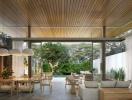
(88, 77)
(123, 84)
(25, 82)
(48, 75)
(46, 81)
(97, 77)
(91, 84)
(108, 84)
(36, 77)
(6, 82)
(24, 76)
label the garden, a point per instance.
(62, 59)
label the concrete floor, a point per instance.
(59, 92)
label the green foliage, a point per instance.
(118, 74)
(25, 61)
(83, 52)
(69, 58)
(121, 73)
(80, 52)
(114, 48)
(68, 68)
(46, 67)
(6, 73)
(54, 53)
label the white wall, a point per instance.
(114, 61)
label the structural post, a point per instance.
(29, 57)
(92, 57)
(103, 60)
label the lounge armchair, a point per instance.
(89, 91)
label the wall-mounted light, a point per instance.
(4, 52)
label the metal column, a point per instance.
(103, 60)
(29, 57)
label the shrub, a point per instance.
(46, 67)
(68, 68)
(117, 74)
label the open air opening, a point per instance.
(65, 49)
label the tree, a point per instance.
(53, 54)
(83, 52)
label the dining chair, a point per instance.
(25, 86)
(36, 78)
(46, 81)
(88, 77)
(6, 85)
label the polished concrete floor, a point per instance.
(59, 92)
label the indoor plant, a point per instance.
(6, 73)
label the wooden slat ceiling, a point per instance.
(65, 18)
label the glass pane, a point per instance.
(97, 57)
(64, 58)
(115, 59)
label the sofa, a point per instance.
(90, 89)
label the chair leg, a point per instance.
(50, 88)
(11, 92)
(41, 88)
(17, 92)
(77, 90)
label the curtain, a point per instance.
(18, 61)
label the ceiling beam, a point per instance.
(68, 39)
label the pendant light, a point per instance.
(4, 52)
(15, 52)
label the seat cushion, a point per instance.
(91, 84)
(108, 84)
(88, 93)
(123, 84)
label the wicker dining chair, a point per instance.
(25, 86)
(46, 81)
(6, 85)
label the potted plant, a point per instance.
(121, 73)
(6, 73)
(118, 74)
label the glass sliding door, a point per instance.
(97, 57)
(64, 57)
(97, 73)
